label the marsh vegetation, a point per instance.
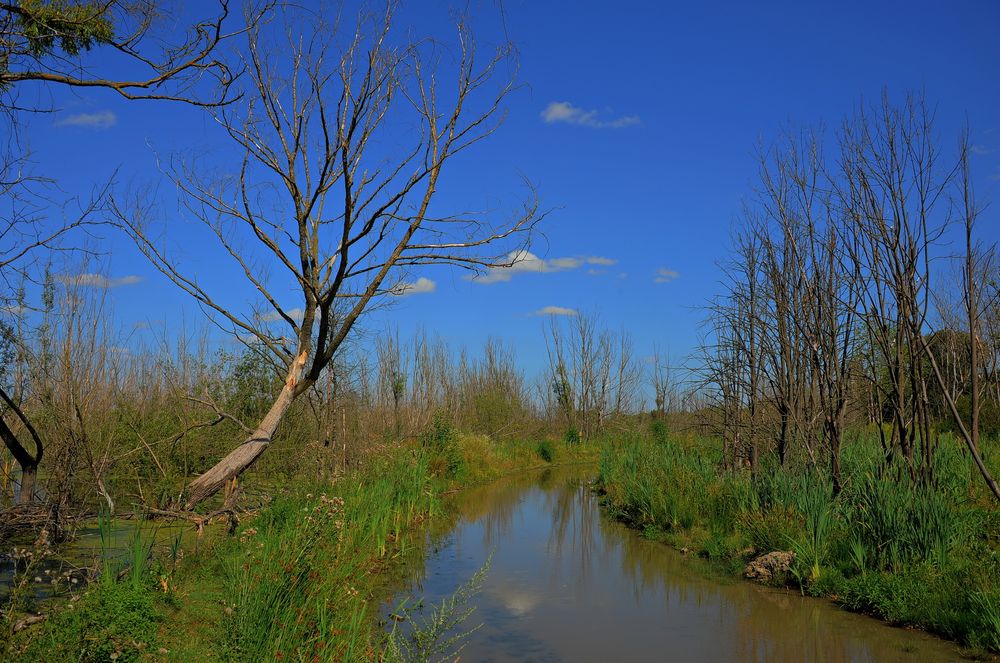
(267, 481)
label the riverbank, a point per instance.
(927, 558)
(567, 583)
(300, 580)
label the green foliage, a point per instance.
(658, 429)
(546, 451)
(112, 622)
(441, 445)
(910, 550)
(436, 637)
(115, 620)
(298, 577)
(899, 522)
(815, 505)
(77, 26)
(572, 436)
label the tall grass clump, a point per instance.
(300, 581)
(910, 545)
(653, 484)
(116, 617)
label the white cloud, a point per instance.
(596, 272)
(273, 316)
(555, 310)
(98, 280)
(421, 286)
(564, 111)
(13, 309)
(99, 120)
(518, 602)
(525, 262)
(664, 275)
(565, 263)
(598, 260)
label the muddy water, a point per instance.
(568, 584)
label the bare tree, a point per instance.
(318, 199)
(977, 263)
(893, 182)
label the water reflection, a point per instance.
(567, 584)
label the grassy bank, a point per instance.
(925, 555)
(301, 580)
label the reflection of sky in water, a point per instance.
(566, 584)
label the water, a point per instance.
(77, 558)
(568, 584)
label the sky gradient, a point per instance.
(636, 121)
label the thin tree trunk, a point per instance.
(244, 456)
(29, 474)
(966, 435)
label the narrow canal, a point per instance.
(566, 583)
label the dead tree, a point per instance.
(891, 188)
(46, 43)
(976, 264)
(315, 196)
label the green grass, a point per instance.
(114, 619)
(908, 551)
(302, 580)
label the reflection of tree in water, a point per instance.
(494, 506)
(758, 624)
(587, 555)
(574, 511)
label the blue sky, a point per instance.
(636, 121)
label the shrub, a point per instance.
(114, 621)
(546, 451)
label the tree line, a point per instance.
(858, 293)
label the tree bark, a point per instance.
(244, 456)
(29, 474)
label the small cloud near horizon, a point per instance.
(567, 113)
(98, 280)
(555, 310)
(273, 316)
(99, 120)
(421, 286)
(664, 275)
(13, 309)
(523, 262)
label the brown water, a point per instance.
(568, 584)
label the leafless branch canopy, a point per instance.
(46, 43)
(321, 200)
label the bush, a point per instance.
(114, 621)
(443, 449)
(546, 451)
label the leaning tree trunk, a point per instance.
(244, 456)
(966, 434)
